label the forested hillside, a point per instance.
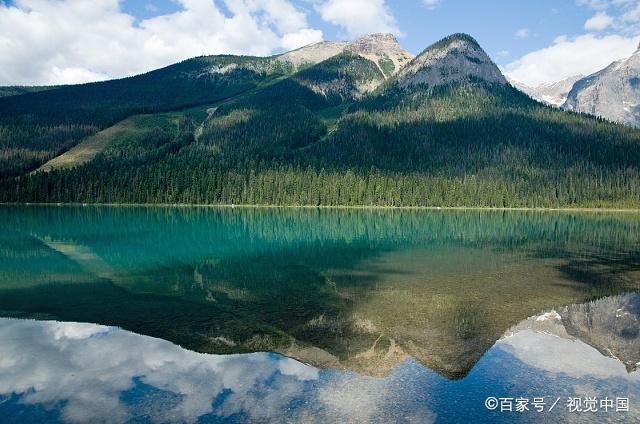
(341, 133)
(17, 90)
(40, 125)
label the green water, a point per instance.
(362, 290)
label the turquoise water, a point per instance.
(204, 314)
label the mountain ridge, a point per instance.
(612, 93)
(381, 48)
(446, 130)
(553, 93)
(455, 58)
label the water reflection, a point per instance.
(342, 289)
(76, 372)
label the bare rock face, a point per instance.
(611, 325)
(552, 93)
(612, 93)
(349, 71)
(383, 50)
(457, 58)
(313, 53)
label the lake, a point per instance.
(161, 314)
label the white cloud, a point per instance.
(432, 4)
(622, 15)
(72, 41)
(300, 38)
(557, 355)
(595, 4)
(523, 33)
(366, 399)
(567, 57)
(150, 7)
(605, 4)
(632, 15)
(598, 22)
(82, 369)
(358, 17)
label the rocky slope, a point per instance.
(342, 71)
(313, 53)
(457, 58)
(345, 77)
(612, 93)
(553, 93)
(382, 49)
(610, 325)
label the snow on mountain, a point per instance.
(553, 93)
(612, 93)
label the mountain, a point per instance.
(612, 93)
(357, 69)
(36, 127)
(357, 128)
(381, 49)
(457, 58)
(553, 93)
(367, 290)
(17, 90)
(313, 53)
(609, 324)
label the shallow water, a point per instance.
(367, 315)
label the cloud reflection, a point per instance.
(93, 373)
(89, 366)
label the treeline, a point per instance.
(580, 186)
(188, 83)
(286, 144)
(23, 147)
(16, 90)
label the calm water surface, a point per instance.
(287, 315)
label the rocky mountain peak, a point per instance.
(612, 93)
(383, 50)
(552, 93)
(374, 43)
(456, 58)
(313, 53)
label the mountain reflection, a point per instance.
(73, 372)
(345, 289)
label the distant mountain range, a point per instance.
(607, 324)
(612, 93)
(333, 123)
(553, 93)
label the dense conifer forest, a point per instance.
(37, 126)
(267, 135)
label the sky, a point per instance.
(47, 42)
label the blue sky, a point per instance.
(494, 24)
(66, 41)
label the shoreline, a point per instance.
(362, 207)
